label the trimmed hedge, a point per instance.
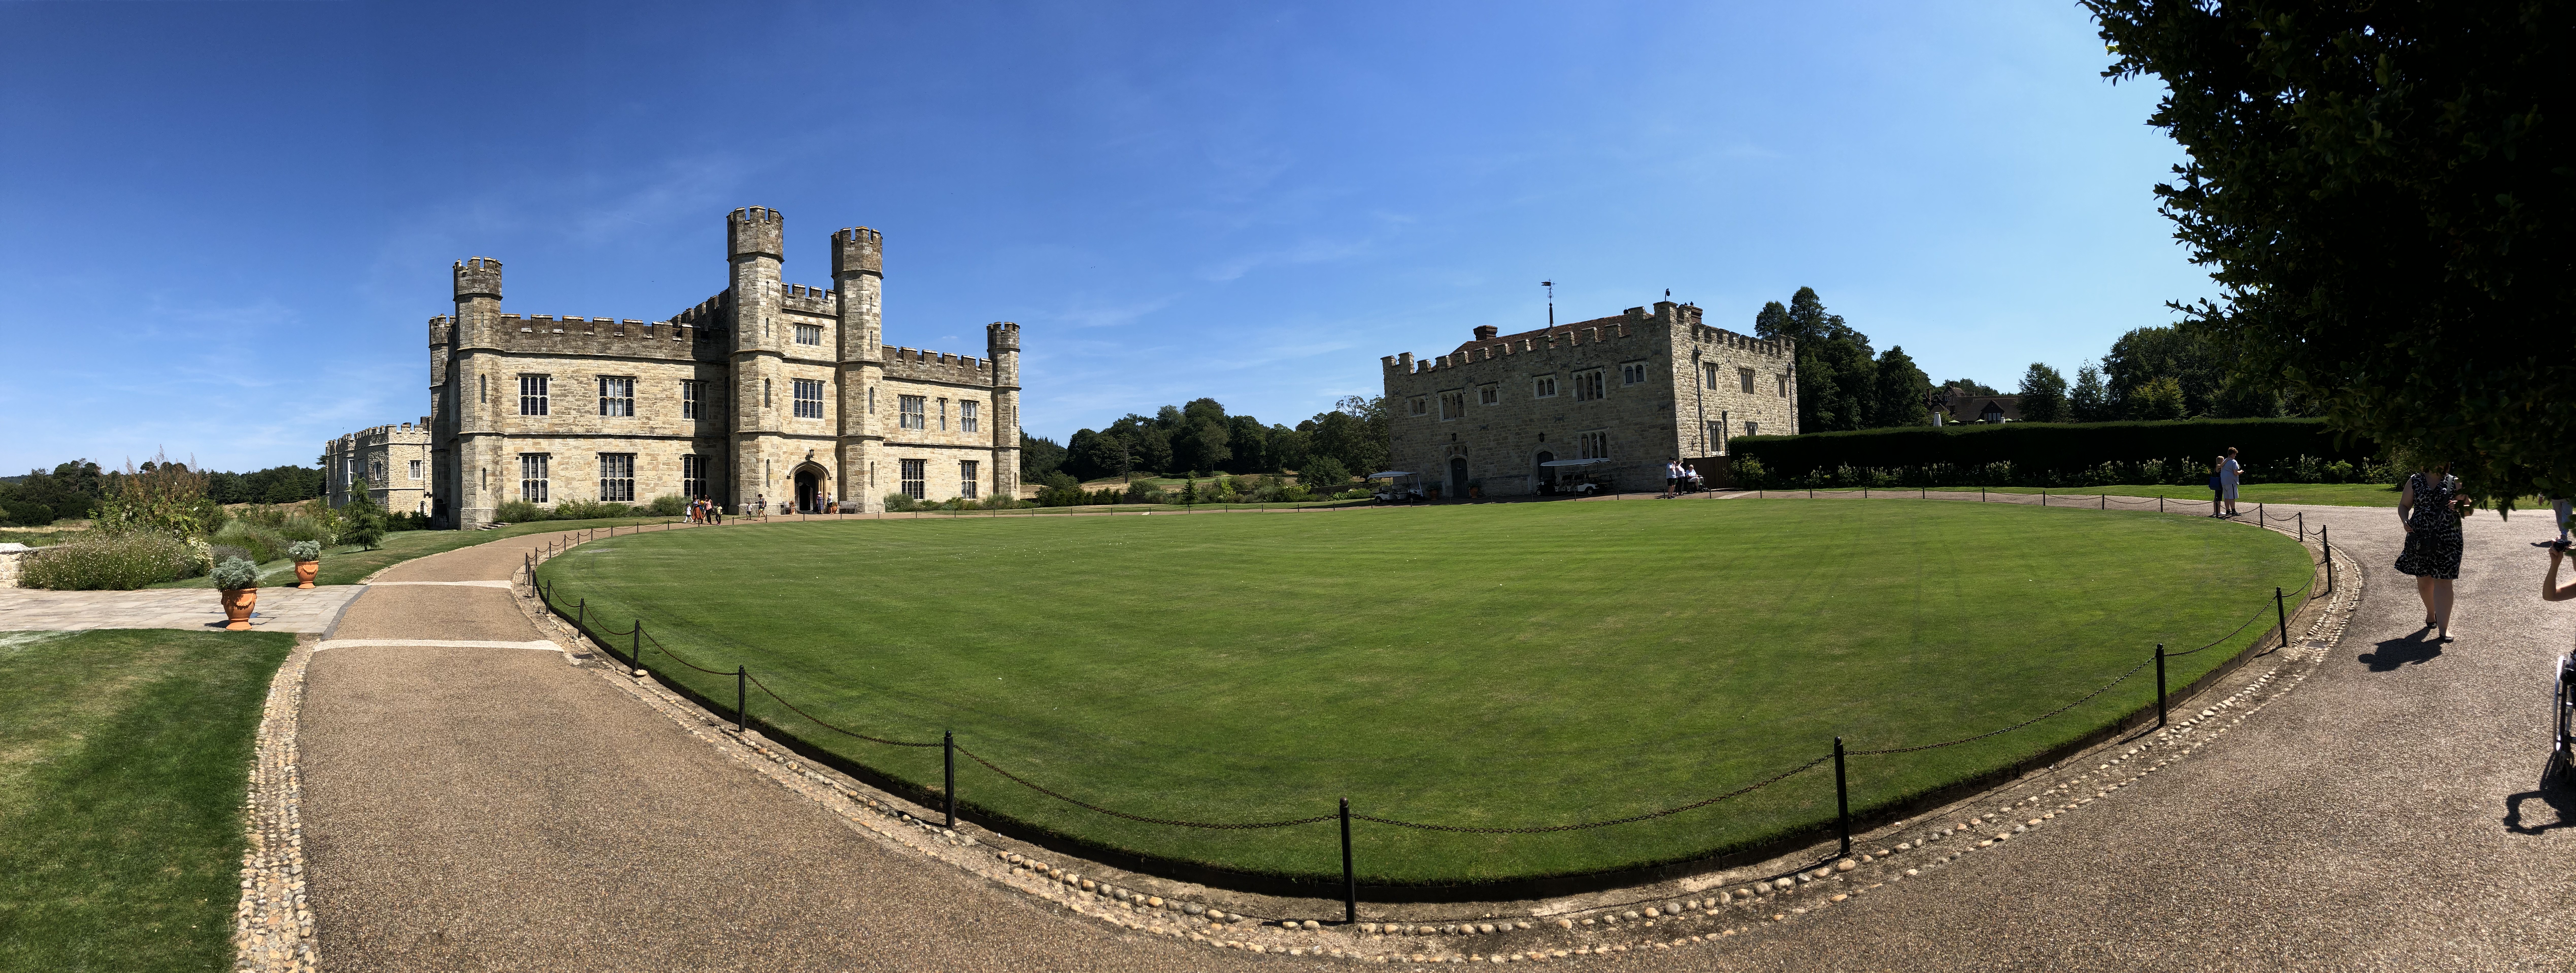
(2059, 448)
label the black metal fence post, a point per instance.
(948, 776)
(1842, 797)
(740, 677)
(1350, 882)
(2303, 525)
(2160, 685)
(635, 646)
(581, 614)
(2328, 543)
(2279, 608)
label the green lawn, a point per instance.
(1496, 665)
(2328, 494)
(128, 756)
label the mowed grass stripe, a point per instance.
(1502, 665)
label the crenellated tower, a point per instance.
(1002, 344)
(858, 277)
(466, 441)
(755, 247)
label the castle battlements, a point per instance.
(1487, 346)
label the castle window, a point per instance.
(693, 476)
(617, 477)
(532, 477)
(532, 395)
(1543, 387)
(376, 471)
(809, 397)
(764, 393)
(966, 418)
(1708, 375)
(1452, 405)
(915, 471)
(966, 478)
(483, 389)
(1784, 386)
(943, 415)
(693, 395)
(415, 469)
(1489, 395)
(1632, 373)
(912, 417)
(1752, 428)
(1744, 378)
(1419, 406)
(616, 396)
(1588, 385)
(809, 334)
(1717, 436)
(1594, 445)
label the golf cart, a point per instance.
(1574, 477)
(1397, 490)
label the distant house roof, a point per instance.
(1985, 408)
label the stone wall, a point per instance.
(1668, 387)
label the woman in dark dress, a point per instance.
(2430, 509)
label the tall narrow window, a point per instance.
(1543, 387)
(943, 415)
(483, 389)
(966, 478)
(966, 418)
(809, 397)
(415, 469)
(532, 395)
(809, 334)
(1708, 375)
(764, 393)
(1588, 385)
(617, 477)
(616, 396)
(1595, 445)
(693, 476)
(532, 477)
(1784, 385)
(692, 396)
(1744, 380)
(915, 472)
(912, 417)
(1632, 373)
(1717, 437)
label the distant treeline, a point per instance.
(2051, 454)
(73, 489)
(1201, 439)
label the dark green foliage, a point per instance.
(362, 522)
(1967, 386)
(26, 513)
(2144, 355)
(668, 505)
(1325, 474)
(2041, 450)
(1901, 389)
(2089, 401)
(1837, 378)
(2043, 395)
(95, 561)
(2383, 191)
(70, 491)
(1039, 456)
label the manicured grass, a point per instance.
(1495, 665)
(128, 756)
(2325, 494)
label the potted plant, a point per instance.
(1476, 489)
(238, 580)
(308, 561)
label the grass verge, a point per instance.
(2322, 494)
(1502, 665)
(128, 758)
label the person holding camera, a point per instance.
(2430, 508)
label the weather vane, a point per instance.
(1551, 301)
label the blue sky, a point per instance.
(224, 226)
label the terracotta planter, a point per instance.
(304, 571)
(237, 605)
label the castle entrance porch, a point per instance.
(810, 489)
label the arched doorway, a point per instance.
(810, 494)
(1457, 477)
(1542, 479)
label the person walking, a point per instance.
(2229, 473)
(2429, 508)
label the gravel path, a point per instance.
(493, 808)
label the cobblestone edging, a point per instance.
(1680, 915)
(273, 925)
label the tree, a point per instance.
(1250, 442)
(362, 522)
(2382, 193)
(2089, 402)
(1154, 449)
(1325, 475)
(1288, 448)
(1038, 457)
(1967, 386)
(2146, 354)
(1901, 389)
(2159, 399)
(1200, 444)
(1837, 380)
(2043, 394)
(1099, 455)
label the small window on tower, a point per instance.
(1452, 405)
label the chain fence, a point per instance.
(638, 637)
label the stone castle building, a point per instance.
(392, 465)
(766, 392)
(1636, 390)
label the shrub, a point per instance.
(1749, 473)
(234, 574)
(1143, 492)
(407, 520)
(26, 513)
(260, 544)
(900, 501)
(518, 512)
(591, 510)
(362, 522)
(304, 551)
(109, 562)
(669, 505)
(1324, 473)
